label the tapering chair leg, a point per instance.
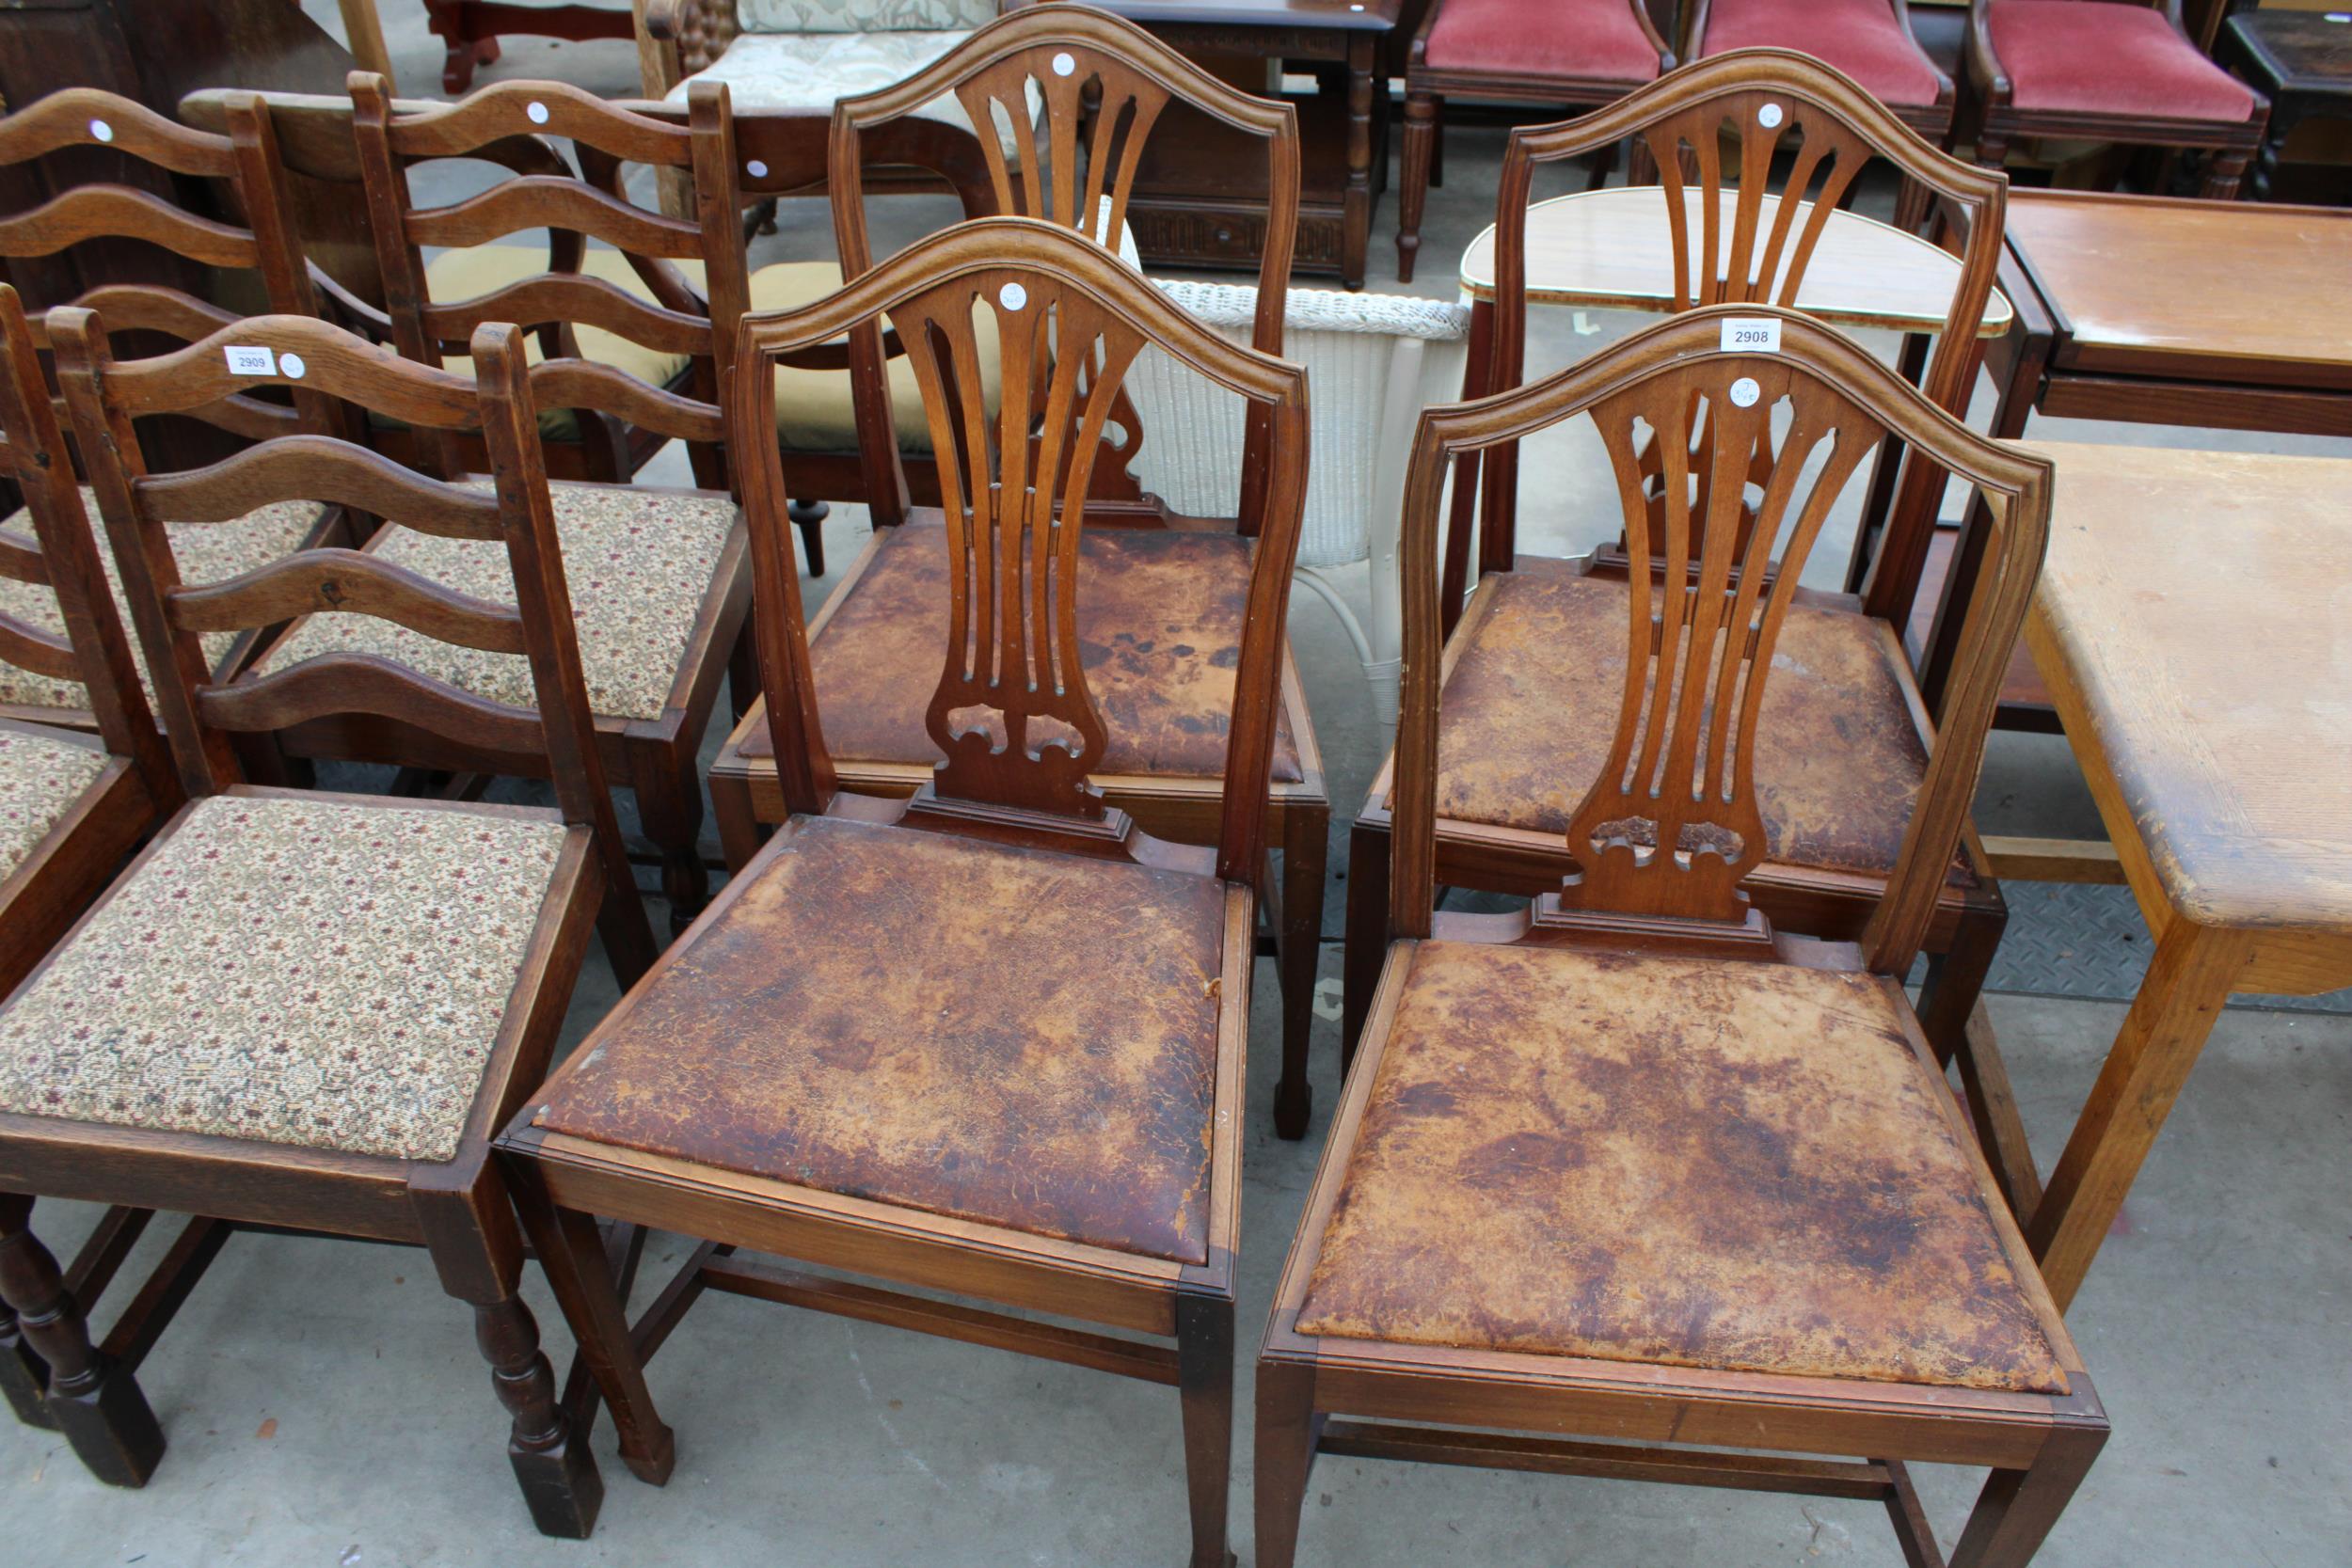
(1204, 1351)
(809, 518)
(1367, 932)
(1285, 1454)
(2017, 1508)
(1305, 849)
(670, 804)
(2226, 174)
(1421, 134)
(96, 1403)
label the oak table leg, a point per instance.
(2191, 976)
(1356, 233)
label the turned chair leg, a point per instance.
(96, 1403)
(558, 1475)
(1436, 143)
(809, 518)
(2225, 175)
(1367, 928)
(1306, 848)
(1421, 134)
(1992, 149)
(1285, 1455)
(1204, 1351)
(23, 1375)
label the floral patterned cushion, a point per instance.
(41, 777)
(639, 563)
(809, 71)
(862, 16)
(326, 971)
(207, 552)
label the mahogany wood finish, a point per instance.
(457, 1209)
(1652, 913)
(2001, 120)
(42, 894)
(693, 315)
(1748, 248)
(471, 29)
(1107, 103)
(1427, 87)
(852, 1140)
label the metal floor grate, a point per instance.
(2087, 941)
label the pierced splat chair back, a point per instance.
(244, 161)
(1011, 712)
(201, 714)
(1735, 241)
(1104, 84)
(62, 557)
(1670, 828)
(694, 317)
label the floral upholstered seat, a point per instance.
(41, 777)
(640, 564)
(336, 974)
(207, 552)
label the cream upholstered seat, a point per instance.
(810, 70)
(1694, 1162)
(207, 552)
(640, 564)
(41, 777)
(336, 972)
(814, 411)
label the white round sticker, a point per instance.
(1012, 296)
(1745, 391)
(290, 366)
(1768, 115)
(535, 112)
(102, 131)
(756, 170)
(1064, 64)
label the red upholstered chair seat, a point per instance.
(1860, 38)
(2090, 56)
(1543, 37)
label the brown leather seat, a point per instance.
(1695, 1162)
(1164, 679)
(1010, 1035)
(1839, 757)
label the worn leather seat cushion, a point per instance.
(1009, 1036)
(1698, 1163)
(1163, 679)
(1531, 710)
(320, 970)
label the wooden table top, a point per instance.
(2222, 291)
(2196, 609)
(1612, 249)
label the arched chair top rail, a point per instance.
(996, 243)
(87, 117)
(1065, 23)
(1785, 73)
(2015, 483)
(313, 131)
(304, 353)
(492, 114)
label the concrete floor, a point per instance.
(325, 1405)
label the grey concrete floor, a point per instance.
(325, 1405)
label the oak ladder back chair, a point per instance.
(1535, 623)
(664, 611)
(1105, 85)
(308, 1010)
(262, 258)
(1007, 1061)
(1869, 40)
(1579, 53)
(665, 324)
(1819, 1262)
(71, 804)
(2119, 70)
